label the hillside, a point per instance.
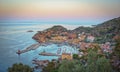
(83, 29)
(103, 32)
(109, 27)
(57, 28)
(107, 30)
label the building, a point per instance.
(72, 36)
(67, 56)
(59, 38)
(82, 45)
(106, 47)
(81, 37)
(90, 38)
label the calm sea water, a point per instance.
(14, 37)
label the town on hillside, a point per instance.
(103, 39)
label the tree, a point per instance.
(96, 63)
(20, 68)
(50, 67)
(116, 50)
(115, 60)
(79, 67)
(71, 66)
(75, 56)
(66, 66)
(103, 65)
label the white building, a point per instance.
(90, 38)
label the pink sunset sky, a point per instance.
(93, 11)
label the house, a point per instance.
(106, 47)
(72, 36)
(82, 37)
(67, 56)
(75, 41)
(59, 38)
(82, 45)
(90, 38)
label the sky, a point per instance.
(61, 11)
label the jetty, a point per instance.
(31, 47)
(30, 31)
(48, 54)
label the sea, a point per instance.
(14, 37)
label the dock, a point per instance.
(48, 54)
(31, 47)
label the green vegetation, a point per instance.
(57, 28)
(115, 60)
(83, 29)
(116, 50)
(71, 66)
(103, 32)
(93, 62)
(66, 66)
(20, 68)
(107, 30)
(96, 63)
(75, 56)
(51, 67)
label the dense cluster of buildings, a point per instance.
(82, 40)
(58, 36)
